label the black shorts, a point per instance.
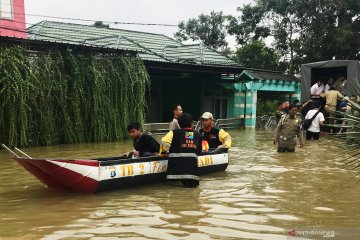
(285, 149)
(314, 135)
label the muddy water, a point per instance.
(262, 195)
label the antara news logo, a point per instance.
(311, 233)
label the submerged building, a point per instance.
(195, 76)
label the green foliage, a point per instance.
(100, 24)
(256, 55)
(66, 97)
(266, 107)
(208, 28)
(303, 31)
(245, 28)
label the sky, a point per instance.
(139, 11)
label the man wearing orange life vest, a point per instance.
(215, 137)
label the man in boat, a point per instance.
(144, 144)
(177, 111)
(215, 137)
(184, 146)
(288, 130)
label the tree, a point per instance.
(246, 27)
(100, 24)
(211, 29)
(256, 55)
(303, 31)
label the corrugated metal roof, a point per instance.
(267, 75)
(150, 46)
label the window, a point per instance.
(216, 103)
(6, 9)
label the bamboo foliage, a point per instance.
(63, 96)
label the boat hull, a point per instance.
(97, 175)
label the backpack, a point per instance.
(307, 122)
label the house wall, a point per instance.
(15, 26)
(185, 92)
(245, 98)
(196, 94)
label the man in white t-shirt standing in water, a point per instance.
(313, 132)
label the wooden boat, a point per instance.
(102, 174)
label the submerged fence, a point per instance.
(265, 122)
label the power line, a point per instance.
(62, 39)
(100, 35)
(128, 44)
(91, 20)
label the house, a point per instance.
(192, 75)
(12, 18)
(196, 76)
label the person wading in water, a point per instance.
(287, 131)
(184, 146)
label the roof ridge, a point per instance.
(264, 70)
(152, 44)
(85, 25)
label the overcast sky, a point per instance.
(142, 11)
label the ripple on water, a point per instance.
(272, 190)
(136, 221)
(257, 197)
(262, 195)
(121, 232)
(216, 208)
(260, 210)
(265, 168)
(192, 213)
(247, 204)
(283, 217)
(240, 225)
(324, 209)
(226, 232)
(243, 217)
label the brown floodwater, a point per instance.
(262, 195)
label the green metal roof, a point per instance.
(267, 75)
(150, 46)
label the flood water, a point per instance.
(262, 195)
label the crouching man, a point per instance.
(184, 147)
(145, 145)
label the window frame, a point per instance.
(11, 11)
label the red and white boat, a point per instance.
(102, 174)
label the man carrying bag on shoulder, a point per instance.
(313, 120)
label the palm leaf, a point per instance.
(352, 135)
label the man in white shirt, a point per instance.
(313, 132)
(317, 89)
(329, 83)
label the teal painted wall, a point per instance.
(189, 92)
(230, 106)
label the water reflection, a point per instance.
(262, 195)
